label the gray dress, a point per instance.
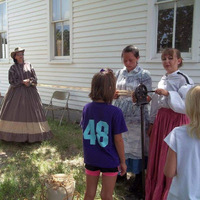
(22, 118)
(129, 81)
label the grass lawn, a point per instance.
(23, 166)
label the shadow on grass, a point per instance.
(19, 175)
(23, 166)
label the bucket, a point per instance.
(60, 187)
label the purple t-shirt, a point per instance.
(100, 122)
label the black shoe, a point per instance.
(139, 195)
(137, 192)
(136, 184)
(134, 187)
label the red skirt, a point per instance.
(157, 184)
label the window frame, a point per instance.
(5, 32)
(152, 25)
(51, 44)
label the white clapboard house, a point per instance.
(67, 41)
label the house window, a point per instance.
(175, 24)
(61, 28)
(3, 31)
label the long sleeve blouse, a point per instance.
(177, 84)
(18, 72)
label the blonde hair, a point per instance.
(103, 86)
(192, 105)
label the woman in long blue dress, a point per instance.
(128, 79)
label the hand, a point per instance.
(116, 95)
(161, 92)
(148, 99)
(123, 168)
(26, 82)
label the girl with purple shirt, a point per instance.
(103, 125)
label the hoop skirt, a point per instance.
(22, 117)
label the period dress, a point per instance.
(166, 114)
(22, 118)
(132, 139)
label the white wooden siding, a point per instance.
(101, 29)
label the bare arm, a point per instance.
(119, 143)
(171, 164)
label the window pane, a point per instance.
(2, 16)
(184, 21)
(58, 39)
(3, 45)
(165, 26)
(1, 19)
(3, 28)
(66, 39)
(56, 10)
(61, 27)
(65, 9)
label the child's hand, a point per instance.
(123, 168)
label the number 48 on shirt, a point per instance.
(97, 134)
